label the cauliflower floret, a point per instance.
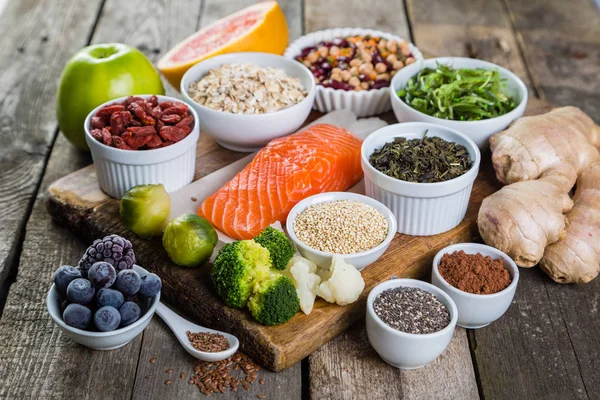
(302, 272)
(344, 285)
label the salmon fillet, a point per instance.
(322, 158)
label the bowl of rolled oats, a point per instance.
(245, 100)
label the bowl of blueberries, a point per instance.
(107, 300)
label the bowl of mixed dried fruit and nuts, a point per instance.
(353, 67)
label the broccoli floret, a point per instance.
(279, 246)
(237, 268)
(274, 300)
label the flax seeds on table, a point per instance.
(208, 342)
(411, 310)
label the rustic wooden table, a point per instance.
(546, 346)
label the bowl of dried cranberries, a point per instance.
(145, 139)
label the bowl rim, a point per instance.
(53, 292)
(461, 246)
(184, 143)
(428, 287)
(334, 196)
(417, 55)
(230, 58)
(467, 176)
(420, 64)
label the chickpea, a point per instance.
(358, 89)
(336, 70)
(364, 85)
(398, 64)
(409, 60)
(392, 46)
(382, 77)
(355, 62)
(312, 56)
(404, 48)
(307, 63)
(346, 75)
(336, 77)
(354, 71)
(323, 51)
(365, 68)
(354, 81)
(334, 51)
(366, 57)
(391, 58)
(382, 44)
(380, 68)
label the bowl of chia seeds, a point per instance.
(409, 322)
(358, 228)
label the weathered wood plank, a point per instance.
(561, 41)
(35, 43)
(349, 368)
(160, 342)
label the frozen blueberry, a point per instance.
(130, 312)
(102, 274)
(80, 291)
(109, 297)
(107, 319)
(77, 316)
(63, 276)
(128, 282)
(151, 285)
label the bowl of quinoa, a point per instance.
(358, 228)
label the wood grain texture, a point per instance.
(35, 44)
(160, 342)
(349, 368)
(561, 42)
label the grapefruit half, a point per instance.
(261, 27)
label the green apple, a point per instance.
(95, 75)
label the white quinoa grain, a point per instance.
(341, 227)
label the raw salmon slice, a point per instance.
(322, 158)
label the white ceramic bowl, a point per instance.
(421, 209)
(250, 132)
(102, 340)
(477, 310)
(119, 170)
(478, 131)
(323, 259)
(364, 103)
(408, 350)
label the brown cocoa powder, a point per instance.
(474, 273)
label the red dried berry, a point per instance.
(132, 99)
(152, 101)
(97, 134)
(155, 142)
(187, 129)
(142, 130)
(119, 121)
(135, 142)
(106, 111)
(97, 123)
(172, 133)
(179, 109)
(187, 121)
(135, 122)
(126, 135)
(141, 114)
(167, 104)
(120, 143)
(156, 113)
(171, 119)
(106, 136)
(165, 144)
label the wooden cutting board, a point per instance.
(77, 202)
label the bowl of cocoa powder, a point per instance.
(480, 279)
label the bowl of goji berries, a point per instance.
(144, 139)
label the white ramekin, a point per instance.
(421, 209)
(119, 170)
(101, 340)
(364, 103)
(408, 350)
(477, 310)
(323, 259)
(251, 132)
(479, 131)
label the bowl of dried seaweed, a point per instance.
(423, 173)
(475, 97)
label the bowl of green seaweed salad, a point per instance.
(475, 97)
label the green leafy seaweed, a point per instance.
(458, 94)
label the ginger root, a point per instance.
(540, 159)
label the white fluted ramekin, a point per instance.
(364, 103)
(119, 170)
(421, 209)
